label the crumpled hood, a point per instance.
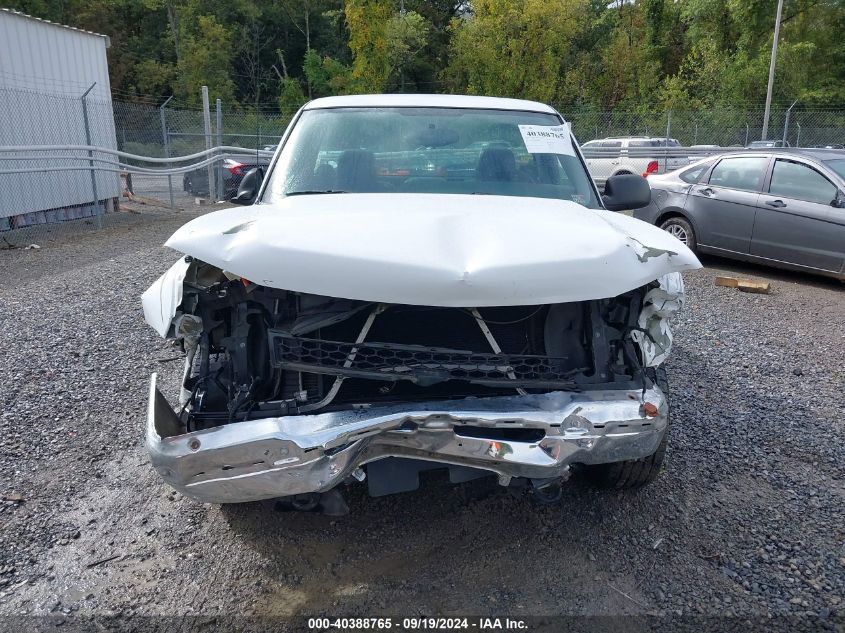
(435, 249)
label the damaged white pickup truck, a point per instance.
(419, 282)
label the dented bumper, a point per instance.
(533, 436)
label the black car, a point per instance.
(782, 207)
(196, 182)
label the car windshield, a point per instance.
(430, 150)
(837, 165)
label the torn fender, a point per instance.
(162, 299)
(659, 306)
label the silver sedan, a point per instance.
(784, 208)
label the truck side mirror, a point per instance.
(625, 192)
(250, 184)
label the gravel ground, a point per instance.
(746, 519)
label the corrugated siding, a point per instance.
(44, 69)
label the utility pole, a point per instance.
(772, 72)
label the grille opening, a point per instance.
(517, 329)
(443, 349)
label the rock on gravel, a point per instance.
(746, 520)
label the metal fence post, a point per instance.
(668, 134)
(798, 138)
(91, 156)
(746, 134)
(786, 121)
(165, 137)
(206, 118)
(220, 192)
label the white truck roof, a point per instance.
(422, 100)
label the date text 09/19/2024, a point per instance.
(418, 624)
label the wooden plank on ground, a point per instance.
(727, 282)
(748, 285)
(745, 285)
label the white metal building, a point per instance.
(45, 68)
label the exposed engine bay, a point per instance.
(255, 352)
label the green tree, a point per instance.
(517, 48)
(205, 61)
(291, 96)
(407, 36)
(326, 76)
(368, 41)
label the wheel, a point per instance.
(634, 473)
(682, 230)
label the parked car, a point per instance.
(785, 208)
(196, 182)
(767, 144)
(381, 309)
(632, 155)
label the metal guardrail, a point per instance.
(54, 166)
(216, 154)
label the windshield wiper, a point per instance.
(311, 192)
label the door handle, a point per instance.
(707, 191)
(778, 204)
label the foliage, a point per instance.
(326, 76)
(205, 60)
(291, 96)
(368, 40)
(594, 54)
(515, 49)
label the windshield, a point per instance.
(430, 150)
(837, 165)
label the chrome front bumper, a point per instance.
(275, 457)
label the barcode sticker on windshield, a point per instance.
(547, 139)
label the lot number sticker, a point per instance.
(547, 139)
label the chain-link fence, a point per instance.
(175, 132)
(80, 162)
(719, 127)
(76, 163)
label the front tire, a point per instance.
(634, 473)
(682, 230)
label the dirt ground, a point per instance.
(746, 520)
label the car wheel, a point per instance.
(634, 473)
(682, 230)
